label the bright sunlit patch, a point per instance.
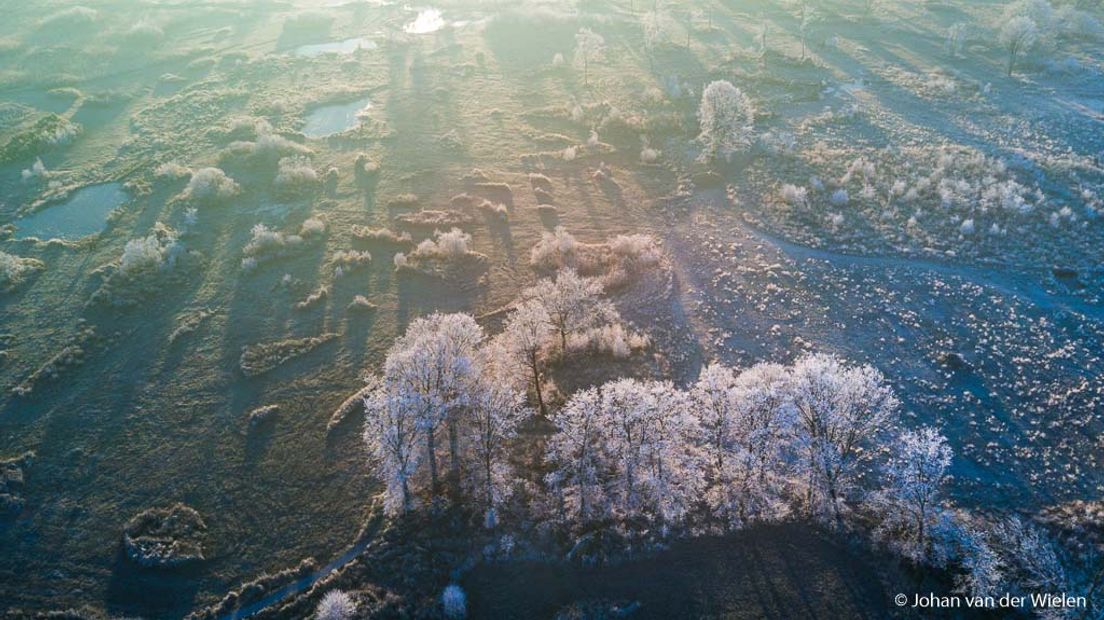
(427, 21)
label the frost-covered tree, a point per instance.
(577, 454)
(335, 605)
(744, 422)
(1018, 35)
(726, 116)
(432, 368)
(840, 411)
(573, 303)
(910, 502)
(528, 330)
(626, 451)
(494, 414)
(588, 44)
(393, 432)
(648, 434)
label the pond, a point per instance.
(83, 213)
(328, 120)
(348, 46)
(427, 21)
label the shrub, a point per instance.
(210, 184)
(335, 605)
(295, 174)
(454, 601)
(450, 245)
(555, 250)
(157, 251)
(14, 270)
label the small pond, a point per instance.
(348, 46)
(328, 120)
(83, 213)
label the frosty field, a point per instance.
(279, 278)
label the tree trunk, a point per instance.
(537, 388)
(454, 454)
(431, 448)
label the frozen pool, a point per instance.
(348, 46)
(328, 120)
(83, 213)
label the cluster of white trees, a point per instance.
(731, 449)
(450, 394)
(819, 440)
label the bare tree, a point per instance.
(1019, 34)
(588, 44)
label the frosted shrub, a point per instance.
(36, 171)
(630, 256)
(382, 235)
(157, 251)
(611, 339)
(14, 270)
(726, 116)
(649, 155)
(554, 250)
(455, 602)
(312, 226)
(210, 184)
(399, 260)
(558, 60)
(967, 227)
(795, 196)
(267, 243)
(295, 174)
(172, 170)
(569, 154)
(335, 605)
(450, 245)
(839, 197)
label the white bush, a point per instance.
(312, 226)
(556, 249)
(839, 197)
(335, 605)
(172, 170)
(36, 171)
(295, 173)
(449, 245)
(794, 195)
(157, 251)
(210, 184)
(454, 601)
(15, 269)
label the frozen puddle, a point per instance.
(427, 21)
(328, 120)
(83, 213)
(348, 46)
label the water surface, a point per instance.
(348, 46)
(83, 213)
(328, 120)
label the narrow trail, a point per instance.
(302, 584)
(1006, 282)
